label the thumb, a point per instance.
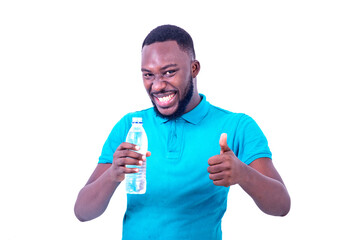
(223, 144)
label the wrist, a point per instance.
(243, 173)
(113, 177)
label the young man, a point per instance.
(197, 152)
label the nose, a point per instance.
(158, 85)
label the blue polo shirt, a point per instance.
(181, 202)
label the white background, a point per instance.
(70, 70)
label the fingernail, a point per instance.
(137, 148)
(143, 157)
(140, 162)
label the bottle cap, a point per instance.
(136, 120)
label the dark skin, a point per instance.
(260, 179)
(167, 70)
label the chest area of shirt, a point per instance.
(178, 140)
(177, 167)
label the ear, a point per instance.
(195, 68)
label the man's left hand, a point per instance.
(225, 168)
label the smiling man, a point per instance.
(169, 74)
(197, 152)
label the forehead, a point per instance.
(162, 53)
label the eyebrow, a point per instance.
(169, 66)
(162, 69)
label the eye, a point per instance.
(169, 73)
(148, 76)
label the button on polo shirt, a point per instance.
(175, 136)
(181, 202)
(174, 129)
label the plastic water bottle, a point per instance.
(136, 182)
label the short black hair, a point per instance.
(171, 33)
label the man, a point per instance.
(197, 152)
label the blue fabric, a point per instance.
(181, 202)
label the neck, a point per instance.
(195, 100)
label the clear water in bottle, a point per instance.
(136, 182)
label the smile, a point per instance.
(164, 100)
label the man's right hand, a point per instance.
(94, 197)
(125, 155)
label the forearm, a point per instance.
(94, 198)
(269, 194)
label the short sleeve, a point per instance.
(115, 138)
(253, 143)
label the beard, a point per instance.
(182, 103)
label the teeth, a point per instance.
(166, 98)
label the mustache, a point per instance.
(162, 92)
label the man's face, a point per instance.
(167, 77)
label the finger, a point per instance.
(126, 145)
(215, 160)
(221, 182)
(119, 172)
(127, 170)
(131, 154)
(148, 154)
(127, 161)
(216, 176)
(216, 168)
(223, 144)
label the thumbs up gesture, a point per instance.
(224, 168)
